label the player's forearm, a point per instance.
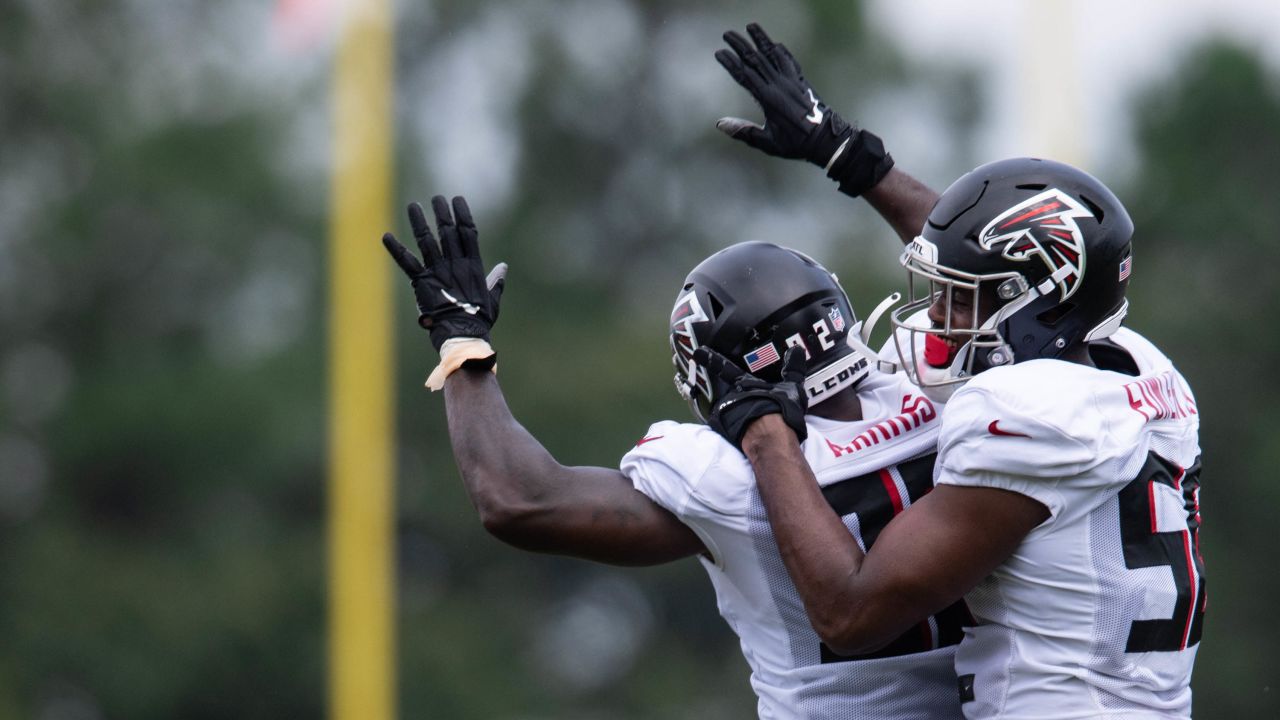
(821, 556)
(529, 500)
(903, 202)
(506, 471)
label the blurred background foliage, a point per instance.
(163, 196)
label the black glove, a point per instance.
(797, 124)
(740, 397)
(455, 299)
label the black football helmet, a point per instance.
(1047, 243)
(752, 301)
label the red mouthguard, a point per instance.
(936, 351)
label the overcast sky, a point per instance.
(1086, 57)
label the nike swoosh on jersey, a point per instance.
(649, 438)
(995, 430)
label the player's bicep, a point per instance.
(943, 545)
(598, 514)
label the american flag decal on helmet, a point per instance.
(1126, 266)
(1044, 227)
(763, 356)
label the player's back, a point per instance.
(870, 471)
(1099, 610)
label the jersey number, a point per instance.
(1178, 550)
(875, 498)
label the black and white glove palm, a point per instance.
(740, 398)
(797, 124)
(455, 297)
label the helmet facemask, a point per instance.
(940, 359)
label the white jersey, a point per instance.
(869, 471)
(1098, 612)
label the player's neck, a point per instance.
(843, 406)
(1079, 355)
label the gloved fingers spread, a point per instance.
(422, 233)
(761, 38)
(468, 237)
(750, 58)
(450, 245)
(749, 80)
(767, 48)
(786, 62)
(496, 282)
(793, 364)
(748, 132)
(718, 365)
(497, 277)
(405, 259)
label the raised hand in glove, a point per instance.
(798, 125)
(740, 397)
(455, 298)
(456, 301)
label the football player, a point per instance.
(686, 489)
(1066, 510)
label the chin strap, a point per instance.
(861, 333)
(874, 317)
(846, 372)
(854, 367)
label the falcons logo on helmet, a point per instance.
(683, 342)
(1045, 227)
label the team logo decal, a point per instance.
(837, 319)
(683, 342)
(1044, 227)
(921, 249)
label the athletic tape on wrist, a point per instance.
(454, 353)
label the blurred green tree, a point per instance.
(161, 434)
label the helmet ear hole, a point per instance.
(1057, 312)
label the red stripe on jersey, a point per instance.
(895, 498)
(1151, 503)
(1195, 500)
(926, 634)
(891, 487)
(1195, 587)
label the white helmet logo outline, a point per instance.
(1043, 226)
(684, 342)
